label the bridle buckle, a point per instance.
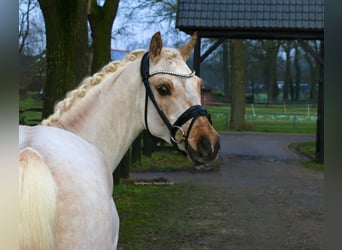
(183, 136)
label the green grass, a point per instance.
(264, 108)
(309, 149)
(269, 118)
(152, 215)
(282, 127)
(30, 117)
(30, 102)
(169, 160)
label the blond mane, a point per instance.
(72, 96)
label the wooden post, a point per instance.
(148, 145)
(116, 176)
(124, 165)
(320, 107)
(197, 57)
(122, 169)
(320, 110)
(136, 149)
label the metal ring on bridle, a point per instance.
(182, 137)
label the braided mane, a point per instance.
(72, 96)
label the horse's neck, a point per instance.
(110, 116)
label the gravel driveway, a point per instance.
(260, 198)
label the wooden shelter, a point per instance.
(299, 20)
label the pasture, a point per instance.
(290, 118)
(152, 217)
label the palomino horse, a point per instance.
(66, 164)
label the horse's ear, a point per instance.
(186, 50)
(156, 46)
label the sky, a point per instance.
(142, 27)
(128, 33)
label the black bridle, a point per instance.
(191, 113)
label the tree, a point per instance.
(238, 84)
(314, 70)
(287, 48)
(226, 71)
(101, 20)
(298, 72)
(31, 35)
(144, 18)
(67, 44)
(271, 48)
(24, 23)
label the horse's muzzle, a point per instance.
(203, 142)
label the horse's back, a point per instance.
(84, 205)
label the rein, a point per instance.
(191, 113)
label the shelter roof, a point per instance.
(273, 19)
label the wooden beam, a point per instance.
(258, 34)
(320, 107)
(197, 56)
(320, 111)
(212, 48)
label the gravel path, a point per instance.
(260, 198)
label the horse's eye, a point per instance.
(164, 90)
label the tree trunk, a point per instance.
(287, 82)
(66, 43)
(101, 21)
(271, 50)
(314, 80)
(226, 73)
(298, 73)
(237, 117)
(314, 72)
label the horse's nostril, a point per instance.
(205, 149)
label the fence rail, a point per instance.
(269, 116)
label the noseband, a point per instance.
(191, 113)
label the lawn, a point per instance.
(150, 216)
(309, 149)
(269, 118)
(30, 109)
(170, 160)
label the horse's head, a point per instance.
(173, 108)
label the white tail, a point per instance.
(38, 194)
